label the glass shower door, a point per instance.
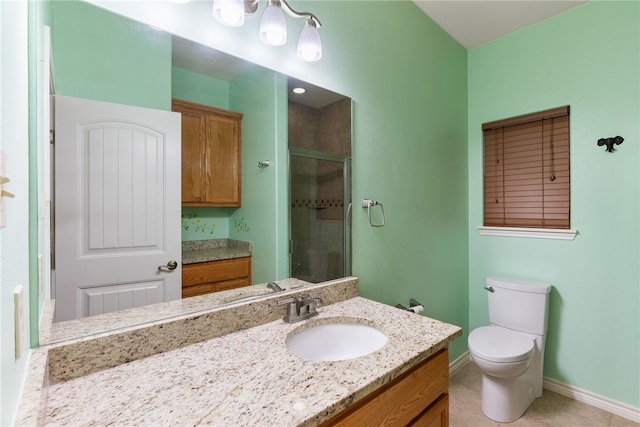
(320, 230)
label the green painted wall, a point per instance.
(196, 87)
(261, 95)
(131, 62)
(408, 82)
(205, 223)
(588, 58)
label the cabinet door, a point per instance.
(403, 400)
(211, 174)
(215, 271)
(213, 276)
(192, 158)
(437, 415)
(222, 157)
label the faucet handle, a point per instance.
(286, 301)
(317, 298)
(310, 302)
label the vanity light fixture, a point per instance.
(273, 28)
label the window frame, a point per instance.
(513, 204)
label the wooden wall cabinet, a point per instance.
(213, 276)
(211, 143)
(417, 398)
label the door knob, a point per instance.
(171, 265)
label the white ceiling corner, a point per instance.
(474, 22)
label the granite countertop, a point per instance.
(248, 377)
(55, 332)
(214, 250)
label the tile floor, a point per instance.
(550, 410)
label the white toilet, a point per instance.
(510, 352)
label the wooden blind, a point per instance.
(526, 171)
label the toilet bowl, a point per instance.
(501, 352)
(510, 352)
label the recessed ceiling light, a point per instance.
(299, 90)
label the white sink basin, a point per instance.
(330, 342)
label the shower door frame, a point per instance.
(347, 207)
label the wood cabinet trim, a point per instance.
(203, 110)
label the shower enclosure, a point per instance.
(319, 139)
(320, 195)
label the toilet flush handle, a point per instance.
(490, 288)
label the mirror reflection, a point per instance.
(320, 187)
(250, 233)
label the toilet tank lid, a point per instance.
(519, 284)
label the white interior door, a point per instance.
(117, 207)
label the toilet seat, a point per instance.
(500, 345)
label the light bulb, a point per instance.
(229, 12)
(273, 28)
(309, 44)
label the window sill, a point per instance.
(533, 233)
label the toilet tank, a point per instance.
(519, 304)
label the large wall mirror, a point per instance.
(295, 211)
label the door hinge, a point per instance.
(52, 136)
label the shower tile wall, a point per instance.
(317, 186)
(326, 129)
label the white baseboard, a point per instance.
(459, 363)
(618, 408)
(621, 409)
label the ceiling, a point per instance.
(474, 22)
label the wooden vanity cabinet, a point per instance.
(211, 139)
(417, 398)
(213, 276)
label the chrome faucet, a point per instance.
(300, 308)
(274, 287)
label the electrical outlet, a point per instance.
(18, 308)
